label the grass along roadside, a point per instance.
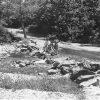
(45, 83)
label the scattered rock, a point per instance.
(80, 64)
(49, 61)
(19, 61)
(55, 65)
(68, 58)
(94, 67)
(91, 65)
(39, 62)
(22, 65)
(39, 55)
(63, 65)
(52, 71)
(27, 62)
(64, 70)
(76, 69)
(16, 65)
(23, 49)
(42, 74)
(33, 53)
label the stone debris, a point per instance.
(26, 46)
(52, 71)
(23, 63)
(39, 62)
(40, 55)
(55, 65)
(87, 74)
(64, 70)
(49, 61)
(84, 75)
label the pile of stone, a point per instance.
(26, 46)
(38, 54)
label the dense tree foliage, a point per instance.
(70, 19)
(74, 20)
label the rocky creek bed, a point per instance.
(27, 67)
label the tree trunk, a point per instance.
(24, 31)
(22, 20)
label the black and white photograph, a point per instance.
(49, 49)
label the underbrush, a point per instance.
(7, 37)
(44, 84)
(41, 83)
(48, 84)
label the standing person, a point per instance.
(54, 45)
(51, 45)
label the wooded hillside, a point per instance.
(74, 20)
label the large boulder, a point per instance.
(50, 61)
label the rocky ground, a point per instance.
(24, 67)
